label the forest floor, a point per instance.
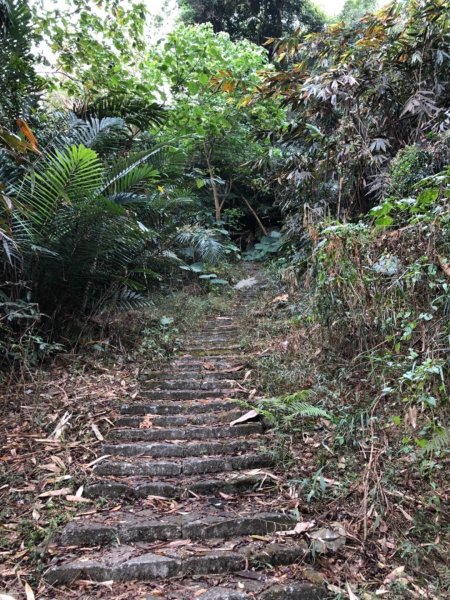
(54, 420)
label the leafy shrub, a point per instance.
(410, 165)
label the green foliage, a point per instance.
(19, 83)
(408, 167)
(353, 10)
(358, 93)
(255, 21)
(266, 247)
(287, 412)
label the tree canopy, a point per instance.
(255, 20)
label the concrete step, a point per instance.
(200, 383)
(129, 563)
(232, 483)
(180, 450)
(180, 420)
(212, 350)
(173, 408)
(199, 373)
(148, 526)
(183, 433)
(190, 466)
(192, 394)
(268, 589)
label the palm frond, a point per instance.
(204, 243)
(68, 176)
(132, 109)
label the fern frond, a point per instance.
(438, 443)
(285, 411)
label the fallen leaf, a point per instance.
(252, 414)
(351, 595)
(62, 423)
(299, 528)
(282, 298)
(51, 493)
(97, 433)
(29, 592)
(71, 498)
(395, 574)
(234, 369)
(7, 597)
(97, 460)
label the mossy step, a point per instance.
(178, 450)
(179, 420)
(192, 394)
(134, 488)
(189, 466)
(198, 373)
(147, 526)
(192, 407)
(184, 433)
(128, 563)
(186, 383)
(204, 350)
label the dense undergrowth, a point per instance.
(362, 343)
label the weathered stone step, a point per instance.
(192, 394)
(127, 563)
(172, 408)
(178, 450)
(146, 526)
(228, 483)
(211, 338)
(212, 350)
(287, 591)
(179, 420)
(221, 363)
(188, 466)
(199, 373)
(184, 433)
(201, 383)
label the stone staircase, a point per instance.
(177, 443)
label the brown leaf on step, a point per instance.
(299, 528)
(252, 414)
(51, 493)
(78, 499)
(208, 366)
(179, 543)
(225, 496)
(234, 369)
(265, 473)
(146, 422)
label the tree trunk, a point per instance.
(217, 203)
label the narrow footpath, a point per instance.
(178, 442)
